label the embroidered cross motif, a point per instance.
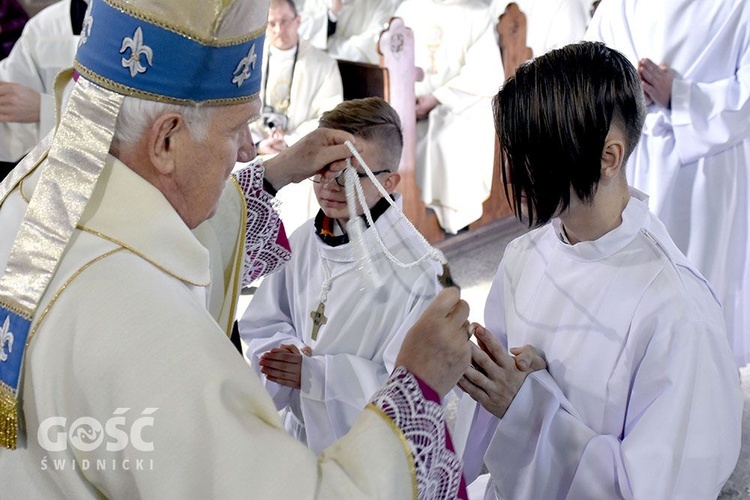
(319, 319)
(137, 49)
(6, 337)
(242, 71)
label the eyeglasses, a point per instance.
(282, 23)
(341, 178)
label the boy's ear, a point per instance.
(613, 155)
(391, 182)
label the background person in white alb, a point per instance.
(692, 160)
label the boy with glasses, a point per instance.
(321, 336)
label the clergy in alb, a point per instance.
(692, 160)
(124, 246)
(346, 357)
(640, 398)
(454, 43)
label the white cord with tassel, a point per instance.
(356, 228)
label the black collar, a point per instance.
(324, 225)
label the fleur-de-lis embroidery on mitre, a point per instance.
(242, 71)
(137, 49)
(6, 338)
(88, 23)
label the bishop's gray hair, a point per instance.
(136, 115)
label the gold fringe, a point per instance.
(8, 420)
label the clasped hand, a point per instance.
(283, 364)
(495, 377)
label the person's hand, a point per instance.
(283, 364)
(321, 151)
(657, 82)
(19, 103)
(271, 145)
(336, 6)
(436, 349)
(425, 104)
(495, 376)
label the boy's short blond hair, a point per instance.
(374, 120)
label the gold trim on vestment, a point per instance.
(404, 444)
(239, 256)
(62, 289)
(71, 170)
(8, 419)
(25, 167)
(150, 96)
(180, 30)
(10, 305)
(142, 256)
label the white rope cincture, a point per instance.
(355, 226)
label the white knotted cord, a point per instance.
(355, 227)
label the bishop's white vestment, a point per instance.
(130, 387)
(356, 348)
(640, 398)
(46, 46)
(455, 46)
(692, 159)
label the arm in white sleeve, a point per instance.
(267, 323)
(314, 23)
(708, 117)
(336, 387)
(680, 437)
(360, 43)
(328, 95)
(479, 77)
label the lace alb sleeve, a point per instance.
(266, 245)
(421, 421)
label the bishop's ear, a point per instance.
(613, 154)
(163, 139)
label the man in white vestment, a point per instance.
(27, 76)
(346, 29)
(125, 246)
(455, 46)
(693, 157)
(550, 24)
(300, 82)
(325, 372)
(640, 398)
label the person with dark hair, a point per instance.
(325, 367)
(640, 397)
(12, 20)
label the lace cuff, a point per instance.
(266, 244)
(437, 467)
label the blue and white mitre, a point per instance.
(189, 52)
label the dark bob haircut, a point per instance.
(552, 119)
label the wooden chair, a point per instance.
(393, 80)
(511, 30)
